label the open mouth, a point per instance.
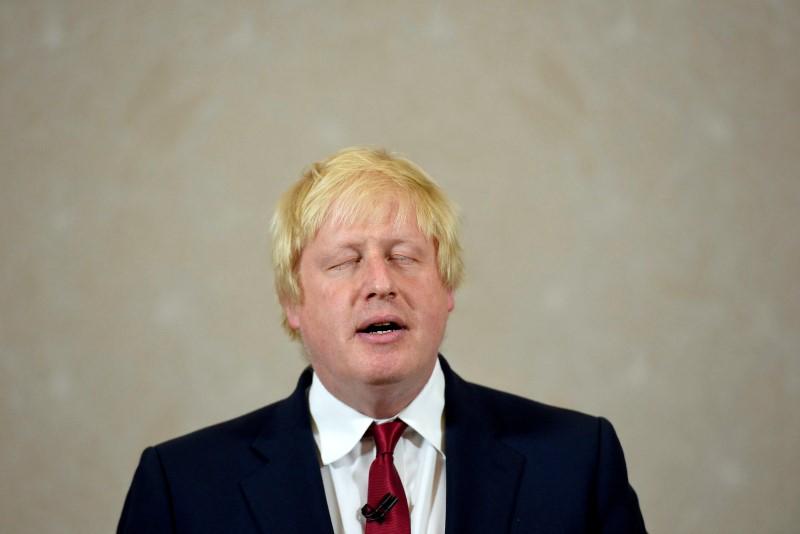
(381, 328)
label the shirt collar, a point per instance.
(338, 427)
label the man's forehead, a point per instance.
(372, 209)
(385, 225)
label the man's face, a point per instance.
(374, 308)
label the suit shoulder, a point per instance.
(519, 414)
(244, 429)
(227, 446)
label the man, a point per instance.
(381, 436)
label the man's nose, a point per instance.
(379, 282)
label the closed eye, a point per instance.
(401, 259)
(344, 264)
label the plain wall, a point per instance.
(628, 175)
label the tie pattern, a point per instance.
(383, 480)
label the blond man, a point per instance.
(380, 435)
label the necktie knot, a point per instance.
(387, 435)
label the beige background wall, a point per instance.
(628, 172)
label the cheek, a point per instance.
(437, 305)
(328, 307)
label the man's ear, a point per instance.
(292, 311)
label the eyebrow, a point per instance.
(391, 242)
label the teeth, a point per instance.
(381, 328)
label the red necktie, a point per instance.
(385, 488)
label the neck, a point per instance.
(378, 401)
(385, 404)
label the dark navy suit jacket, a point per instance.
(513, 465)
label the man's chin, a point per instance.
(384, 377)
(386, 371)
(384, 380)
(397, 371)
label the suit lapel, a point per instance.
(286, 494)
(483, 473)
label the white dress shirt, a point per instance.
(345, 456)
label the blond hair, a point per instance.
(349, 186)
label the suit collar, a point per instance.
(286, 493)
(339, 427)
(483, 473)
